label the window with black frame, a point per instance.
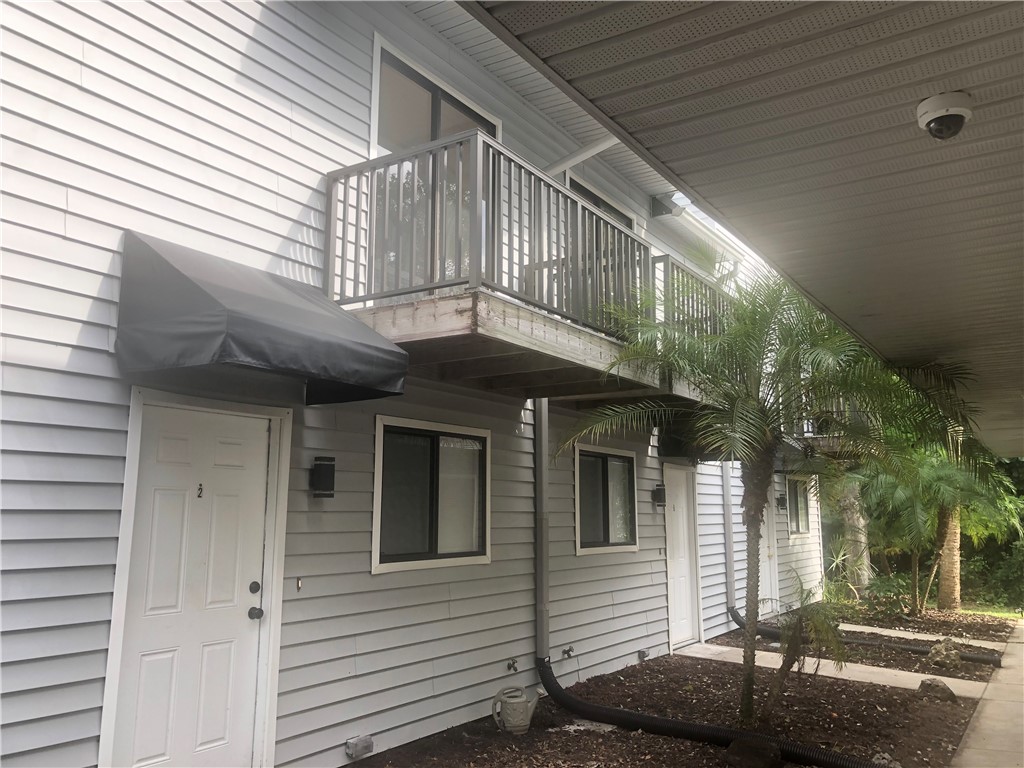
(432, 493)
(606, 499)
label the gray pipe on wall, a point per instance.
(730, 554)
(541, 459)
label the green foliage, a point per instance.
(888, 596)
(813, 622)
(765, 362)
(995, 578)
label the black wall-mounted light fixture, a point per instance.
(782, 502)
(321, 477)
(658, 495)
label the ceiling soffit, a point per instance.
(794, 124)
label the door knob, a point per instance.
(255, 613)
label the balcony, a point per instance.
(491, 273)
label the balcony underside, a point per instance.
(486, 341)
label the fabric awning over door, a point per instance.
(182, 308)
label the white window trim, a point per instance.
(789, 506)
(378, 43)
(378, 483)
(581, 550)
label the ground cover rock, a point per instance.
(944, 654)
(885, 760)
(932, 686)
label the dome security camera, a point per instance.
(943, 116)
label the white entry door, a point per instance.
(682, 560)
(769, 584)
(187, 685)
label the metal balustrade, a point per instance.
(687, 299)
(466, 212)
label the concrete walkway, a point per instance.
(995, 645)
(995, 735)
(862, 673)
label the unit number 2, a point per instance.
(199, 493)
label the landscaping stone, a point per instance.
(885, 760)
(749, 752)
(934, 687)
(944, 654)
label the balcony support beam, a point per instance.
(581, 154)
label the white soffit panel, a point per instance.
(794, 124)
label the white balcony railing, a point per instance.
(467, 212)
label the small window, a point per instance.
(605, 500)
(799, 515)
(412, 110)
(431, 495)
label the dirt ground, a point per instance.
(853, 718)
(886, 655)
(978, 626)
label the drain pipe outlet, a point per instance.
(541, 459)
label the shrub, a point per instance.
(888, 596)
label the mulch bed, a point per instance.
(887, 655)
(853, 718)
(977, 626)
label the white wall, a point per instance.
(398, 655)
(609, 606)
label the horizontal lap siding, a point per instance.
(608, 607)
(398, 655)
(210, 125)
(712, 545)
(799, 554)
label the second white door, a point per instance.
(681, 556)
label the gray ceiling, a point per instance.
(794, 124)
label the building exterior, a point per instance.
(268, 620)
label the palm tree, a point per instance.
(768, 364)
(930, 499)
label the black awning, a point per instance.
(181, 308)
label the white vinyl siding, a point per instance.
(607, 606)
(712, 543)
(207, 124)
(399, 655)
(799, 555)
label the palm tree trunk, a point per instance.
(884, 564)
(949, 571)
(757, 477)
(855, 536)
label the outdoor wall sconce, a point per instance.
(782, 503)
(321, 477)
(658, 495)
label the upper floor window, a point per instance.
(799, 512)
(605, 500)
(412, 110)
(431, 495)
(601, 204)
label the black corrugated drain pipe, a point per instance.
(775, 633)
(719, 735)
